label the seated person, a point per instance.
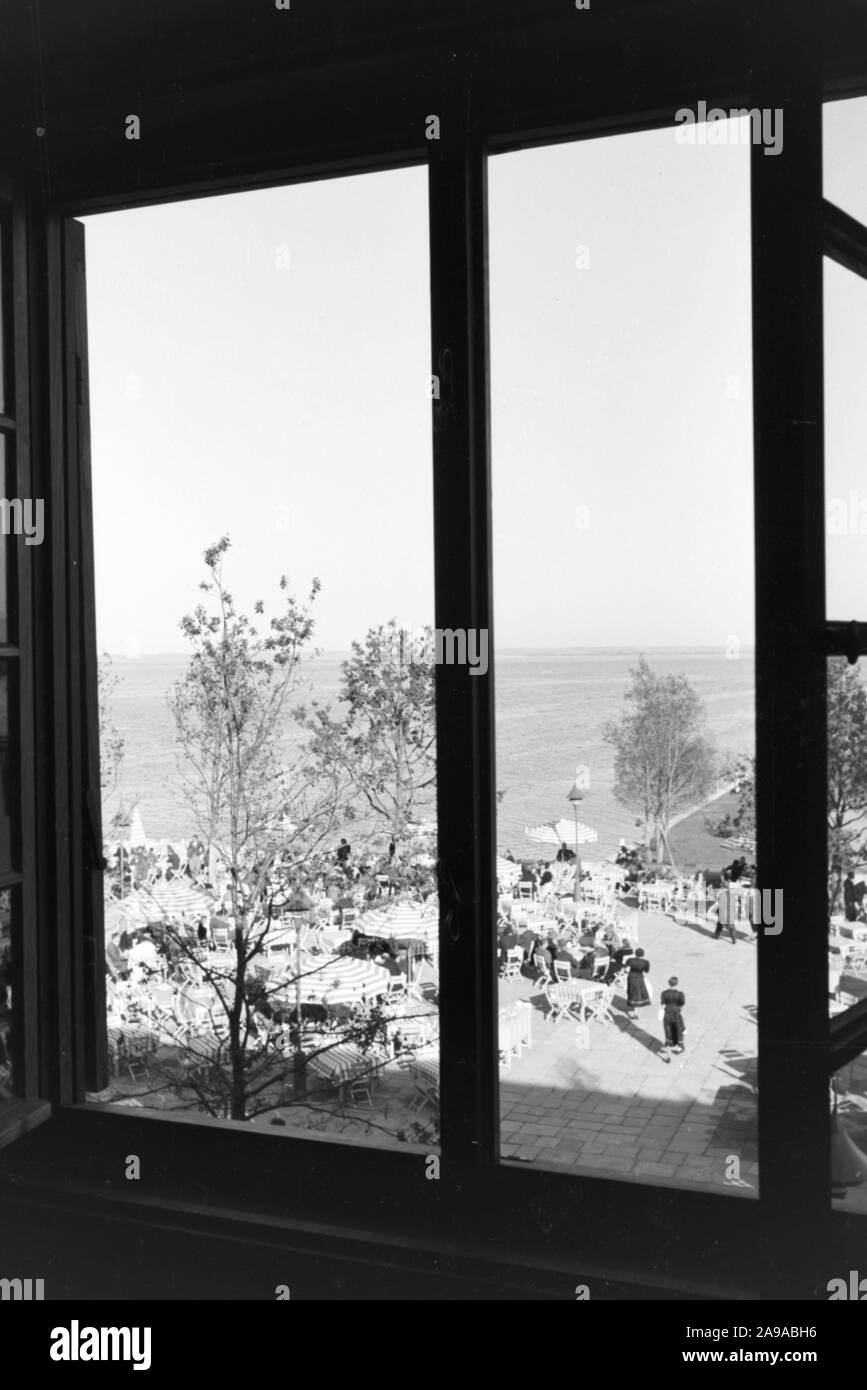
(543, 957)
(527, 876)
(618, 959)
(507, 942)
(528, 941)
(586, 965)
(562, 952)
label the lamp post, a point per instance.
(576, 796)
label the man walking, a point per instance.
(672, 1001)
(726, 906)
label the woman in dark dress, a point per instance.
(637, 993)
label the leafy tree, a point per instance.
(847, 772)
(385, 745)
(742, 825)
(262, 820)
(110, 742)
(664, 761)
(847, 778)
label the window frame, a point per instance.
(549, 1217)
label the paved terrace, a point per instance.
(614, 1108)
(617, 1107)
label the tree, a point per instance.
(110, 742)
(847, 777)
(385, 746)
(741, 771)
(664, 762)
(847, 772)
(262, 820)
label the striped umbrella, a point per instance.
(402, 919)
(508, 872)
(560, 832)
(565, 832)
(344, 980)
(173, 896)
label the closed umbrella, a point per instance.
(136, 831)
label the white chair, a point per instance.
(563, 971)
(512, 965)
(525, 892)
(596, 1005)
(563, 999)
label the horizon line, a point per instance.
(611, 649)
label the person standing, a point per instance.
(637, 982)
(727, 910)
(850, 897)
(672, 1001)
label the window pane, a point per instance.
(845, 353)
(9, 769)
(623, 567)
(7, 998)
(847, 833)
(260, 368)
(849, 1136)
(844, 139)
(4, 302)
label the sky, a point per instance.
(259, 366)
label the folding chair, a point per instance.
(563, 971)
(562, 999)
(597, 1005)
(511, 969)
(360, 1092)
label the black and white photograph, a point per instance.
(433, 669)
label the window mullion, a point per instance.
(462, 543)
(794, 1129)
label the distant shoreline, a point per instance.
(520, 653)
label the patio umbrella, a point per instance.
(571, 833)
(137, 838)
(399, 919)
(174, 896)
(344, 980)
(508, 871)
(120, 915)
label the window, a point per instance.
(254, 113)
(22, 527)
(622, 505)
(845, 353)
(269, 784)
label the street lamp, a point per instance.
(576, 796)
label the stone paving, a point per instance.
(617, 1108)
